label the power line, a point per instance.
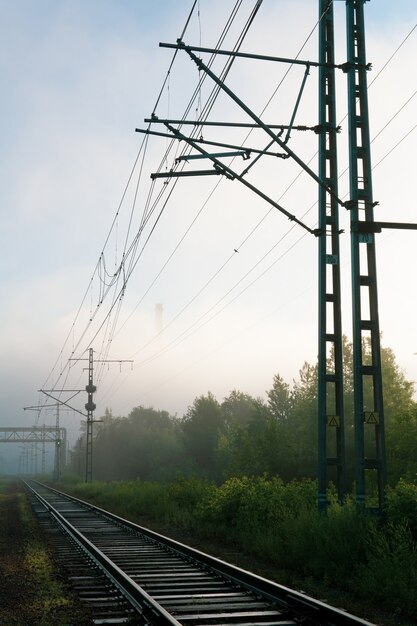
(393, 55)
(183, 336)
(134, 260)
(219, 182)
(191, 330)
(133, 256)
(408, 133)
(395, 115)
(217, 272)
(72, 328)
(133, 246)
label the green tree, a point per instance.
(246, 436)
(146, 445)
(280, 399)
(303, 421)
(202, 426)
(238, 408)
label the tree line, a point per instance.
(246, 436)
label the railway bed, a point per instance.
(128, 574)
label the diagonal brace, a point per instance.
(218, 144)
(227, 171)
(181, 46)
(297, 104)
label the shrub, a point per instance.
(388, 573)
(401, 507)
(344, 547)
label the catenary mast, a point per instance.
(369, 411)
(330, 362)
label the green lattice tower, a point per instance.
(330, 363)
(369, 411)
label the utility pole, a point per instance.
(90, 407)
(58, 443)
(369, 428)
(32, 459)
(22, 460)
(331, 448)
(79, 456)
(43, 452)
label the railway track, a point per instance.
(129, 574)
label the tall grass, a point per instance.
(366, 556)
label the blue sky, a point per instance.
(77, 78)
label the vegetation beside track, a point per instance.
(221, 443)
(246, 436)
(352, 556)
(31, 592)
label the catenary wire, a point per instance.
(226, 262)
(410, 131)
(132, 257)
(219, 182)
(176, 340)
(207, 109)
(72, 328)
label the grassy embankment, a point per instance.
(30, 591)
(369, 564)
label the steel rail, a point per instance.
(295, 605)
(142, 602)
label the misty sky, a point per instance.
(78, 76)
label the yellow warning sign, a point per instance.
(333, 420)
(371, 417)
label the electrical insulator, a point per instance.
(90, 406)
(91, 389)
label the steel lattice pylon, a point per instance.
(331, 449)
(368, 411)
(368, 418)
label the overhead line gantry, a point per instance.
(368, 419)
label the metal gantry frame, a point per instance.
(331, 448)
(37, 434)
